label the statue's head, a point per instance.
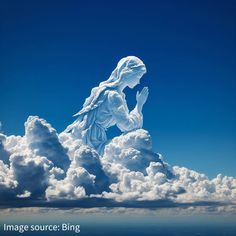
(130, 70)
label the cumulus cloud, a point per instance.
(45, 165)
(7, 183)
(71, 186)
(43, 140)
(31, 173)
(199, 188)
(26, 194)
(84, 177)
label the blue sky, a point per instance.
(54, 52)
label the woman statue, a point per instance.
(106, 106)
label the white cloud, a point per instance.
(44, 165)
(69, 187)
(43, 140)
(199, 188)
(6, 176)
(26, 194)
(31, 173)
(7, 183)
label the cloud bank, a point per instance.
(46, 166)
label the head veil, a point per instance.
(124, 66)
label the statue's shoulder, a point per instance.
(114, 98)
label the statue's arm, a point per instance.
(125, 120)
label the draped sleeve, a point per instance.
(125, 120)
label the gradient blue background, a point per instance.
(53, 52)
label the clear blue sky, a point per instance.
(53, 52)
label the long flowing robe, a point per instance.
(91, 125)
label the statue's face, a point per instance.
(134, 77)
